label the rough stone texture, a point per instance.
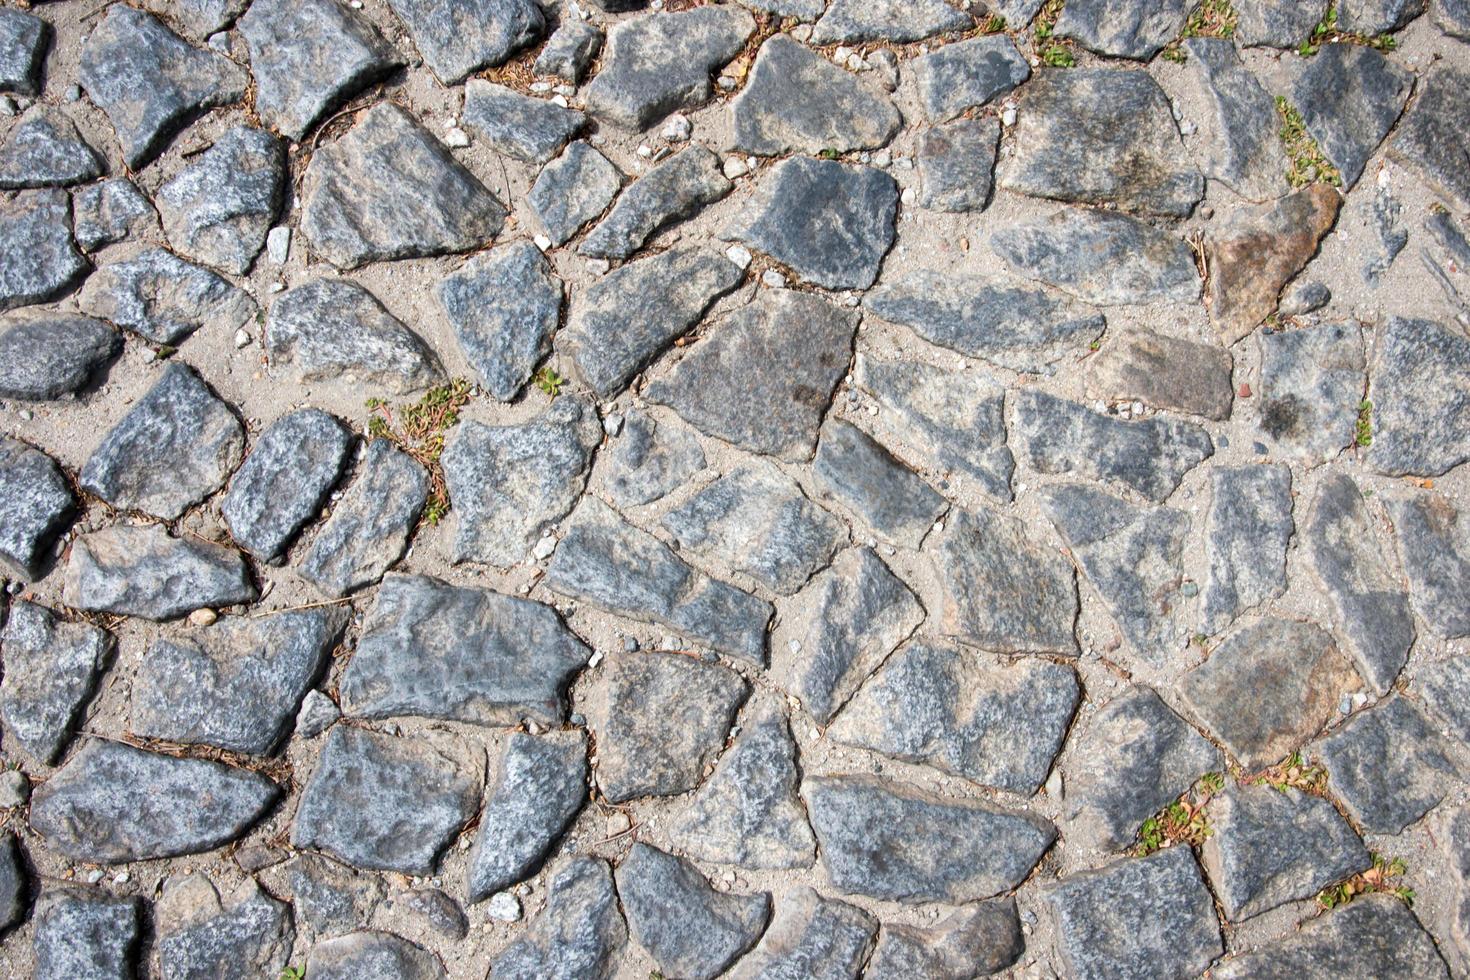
(1023, 329)
(1311, 385)
(23, 42)
(1435, 548)
(659, 719)
(1133, 758)
(830, 222)
(572, 190)
(1445, 685)
(661, 63)
(649, 461)
(1136, 918)
(967, 74)
(853, 469)
(521, 126)
(994, 722)
(236, 684)
(673, 191)
(569, 51)
(164, 298)
(38, 261)
(798, 101)
(198, 18)
(898, 21)
(1277, 23)
(1454, 827)
(13, 902)
(372, 956)
(956, 163)
(1249, 526)
(460, 654)
(370, 525)
(142, 571)
(1349, 97)
(1123, 28)
(457, 38)
(1432, 139)
(1453, 17)
(386, 803)
(1378, 16)
(112, 803)
(534, 793)
(1101, 257)
(626, 319)
(330, 898)
(421, 202)
(504, 306)
(110, 211)
(688, 928)
(218, 209)
(975, 940)
(51, 669)
(1164, 372)
(580, 933)
(1240, 146)
(86, 932)
(810, 938)
(36, 505)
(150, 82)
(46, 355)
(44, 149)
(1421, 399)
(201, 937)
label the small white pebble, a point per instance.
(457, 138)
(278, 245)
(121, 878)
(795, 646)
(855, 62)
(677, 129)
(773, 279)
(1008, 116)
(542, 242)
(561, 100)
(276, 287)
(613, 424)
(740, 255)
(938, 527)
(726, 83)
(242, 338)
(882, 158)
(544, 548)
(26, 415)
(541, 87)
(645, 151)
(504, 907)
(802, 32)
(735, 167)
(94, 876)
(598, 267)
(908, 195)
(567, 90)
(1187, 127)
(841, 54)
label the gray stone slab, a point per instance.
(854, 470)
(572, 190)
(1312, 382)
(36, 505)
(457, 38)
(46, 355)
(896, 21)
(44, 149)
(1277, 23)
(647, 461)
(1349, 97)
(86, 932)
(568, 52)
(51, 670)
(956, 162)
(38, 261)
(199, 936)
(1435, 548)
(23, 41)
(111, 211)
(13, 898)
(372, 954)
(163, 298)
(974, 940)
(580, 933)
(1421, 399)
(967, 74)
(504, 306)
(1123, 28)
(520, 126)
(142, 571)
(1445, 687)
(1378, 16)
(1453, 17)
(1164, 372)
(1240, 146)
(218, 209)
(198, 18)
(811, 938)
(1454, 827)
(329, 898)
(675, 190)
(1246, 534)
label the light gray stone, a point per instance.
(110, 211)
(163, 298)
(46, 355)
(648, 461)
(36, 505)
(1453, 17)
(142, 571)
(853, 469)
(86, 932)
(44, 149)
(23, 41)
(218, 209)
(1378, 16)
(198, 18)
(1239, 143)
(504, 306)
(330, 898)
(810, 938)
(1435, 548)
(1349, 97)
(1246, 533)
(38, 261)
(372, 956)
(1164, 372)
(1312, 382)
(572, 190)
(457, 38)
(580, 933)
(199, 936)
(1421, 399)
(318, 713)
(1123, 28)
(51, 670)
(973, 940)
(673, 191)
(520, 126)
(1277, 23)
(569, 51)
(897, 21)
(956, 162)
(968, 74)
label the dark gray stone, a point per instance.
(673, 191)
(13, 902)
(177, 445)
(330, 898)
(51, 669)
(1240, 146)
(504, 306)
(830, 222)
(1421, 399)
(993, 722)
(974, 940)
(38, 261)
(626, 319)
(569, 51)
(433, 650)
(370, 525)
(688, 928)
(198, 18)
(660, 63)
(572, 190)
(420, 202)
(1123, 28)
(219, 208)
(1349, 97)
(648, 461)
(1136, 919)
(142, 571)
(956, 163)
(457, 38)
(967, 74)
(110, 211)
(150, 82)
(1304, 296)
(897, 21)
(85, 932)
(1311, 384)
(765, 376)
(113, 803)
(520, 126)
(23, 41)
(44, 149)
(372, 955)
(609, 563)
(1249, 526)
(1453, 17)
(161, 297)
(236, 684)
(1164, 372)
(659, 720)
(810, 938)
(386, 803)
(46, 355)
(36, 505)
(798, 101)
(1277, 23)
(1378, 16)
(1101, 257)
(285, 481)
(1445, 685)
(428, 910)
(892, 500)
(579, 934)
(200, 937)
(1435, 548)
(533, 795)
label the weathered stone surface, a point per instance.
(110, 211)
(330, 898)
(112, 803)
(748, 813)
(370, 956)
(661, 63)
(1269, 687)
(150, 82)
(510, 483)
(198, 18)
(534, 793)
(1349, 97)
(421, 200)
(23, 41)
(811, 937)
(1356, 570)
(1277, 23)
(218, 209)
(458, 38)
(956, 162)
(43, 356)
(1435, 548)
(1259, 251)
(967, 74)
(898, 21)
(570, 50)
(503, 305)
(580, 933)
(1445, 685)
(1249, 526)
(613, 565)
(38, 261)
(285, 480)
(1378, 16)
(798, 101)
(1136, 918)
(85, 932)
(142, 571)
(51, 669)
(1123, 28)
(572, 190)
(36, 505)
(1101, 257)
(1239, 144)
(198, 936)
(13, 903)
(1164, 372)
(429, 910)
(521, 126)
(974, 940)
(896, 842)
(764, 377)
(969, 714)
(44, 149)
(164, 298)
(236, 684)
(659, 720)
(370, 525)
(1091, 134)
(853, 469)
(1022, 329)
(626, 319)
(386, 803)
(1311, 385)
(673, 191)
(1421, 399)
(460, 654)
(177, 445)
(1271, 846)
(648, 461)
(688, 928)
(1454, 827)
(1453, 17)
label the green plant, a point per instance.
(1365, 423)
(994, 25)
(1174, 53)
(293, 973)
(1305, 162)
(1293, 773)
(1181, 822)
(1326, 32)
(418, 429)
(549, 381)
(828, 154)
(1378, 878)
(1212, 18)
(1057, 54)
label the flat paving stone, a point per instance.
(198, 18)
(1240, 146)
(572, 190)
(896, 21)
(896, 842)
(811, 937)
(975, 940)
(388, 803)
(218, 209)
(648, 461)
(1421, 399)
(456, 39)
(113, 803)
(164, 298)
(580, 932)
(520, 126)
(236, 684)
(1435, 548)
(38, 261)
(86, 932)
(1277, 23)
(24, 39)
(111, 211)
(504, 306)
(830, 222)
(1445, 687)
(44, 149)
(675, 190)
(36, 506)
(422, 202)
(659, 720)
(853, 469)
(178, 444)
(200, 936)
(51, 670)
(1164, 372)
(1123, 28)
(956, 162)
(536, 788)
(1455, 826)
(994, 722)
(372, 954)
(328, 897)
(1312, 383)
(568, 52)
(46, 355)
(1378, 16)
(143, 571)
(967, 74)
(1431, 140)
(1452, 17)
(1349, 97)
(151, 82)
(1247, 531)
(433, 650)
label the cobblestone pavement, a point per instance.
(787, 488)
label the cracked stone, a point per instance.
(23, 41)
(44, 149)
(1349, 97)
(111, 211)
(504, 306)
(896, 21)
(1435, 548)
(51, 670)
(38, 261)
(218, 209)
(1421, 399)
(1277, 23)
(46, 355)
(457, 38)
(1123, 28)
(1239, 142)
(520, 126)
(1164, 372)
(649, 461)
(580, 933)
(967, 74)
(163, 298)
(569, 51)
(675, 190)
(977, 940)
(1312, 382)
(572, 190)
(86, 932)
(36, 505)
(142, 571)
(360, 955)
(956, 164)
(853, 469)
(811, 937)
(330, 898)
(1249, 526)
(198, 936)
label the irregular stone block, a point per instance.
(23, 41)
(198, 936)
(110, 211)
(1445, 685)
(673, 191)
(457, 38)
(372, 954)
(572, 190)
(1421, 399)
(46, 355)
(51, 670)
(1249, 526)
(1311, 386)
(1454, 828)
(853, 469)
(36, 505)
(1436, 553)
(13, 898)
(974, 940)
(44, 149)
(330, 898)
(504, 306)
(1453, 17)
(967, 74)
(1239, 143)
(648, 461)
(219, 208)
(1123, 28)
(569, 51)
(142, 571)
(521, 126)
(1277, 23)
(1349, 97)
(38, 261)
(85, 932)
(1164, 372)
(811, 937)
(198, 18)
(956, 162)
(164, 298)
(1378, 16)
(580, 933)
(897, 21)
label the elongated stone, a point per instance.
(1349, 97)
(1249, 526)
(1164, 372)
(219, 208)
(38, 261)
(1431, 139)
(365, 954)
(521, 126)
(504, 306)
(51, 670)
(44, 149)
(459, 38)
(811, 937)
(23, 40)
(110, 211)
(973, 940)
(967, 74)
(164, 298)
(673, 191)
(142, 571)
(649, 461)
(572, 190)
(956, 164)
(898, 21)
(1435, 548)
(580, 933)
(1421, 399)
(1311, 387)
(86, 932)
(46, 355)
(36, 505)
(1378, 16)
(852, 468)
(1240, 146)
